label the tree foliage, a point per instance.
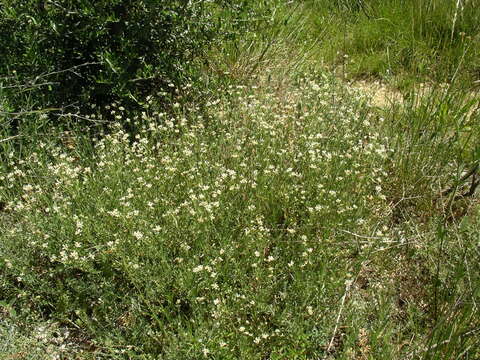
(75, 53)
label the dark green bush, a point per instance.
(76, 53)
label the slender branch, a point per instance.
(81, 117)
(68, 70)
(29, 111)
(363, 236)
(33, 82)
(472, 172)
(339, 315)
(27, 85)
(9, 138)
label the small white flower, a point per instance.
(197, 268)
(138, 235)
(27, 187)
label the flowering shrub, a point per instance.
(208, 235)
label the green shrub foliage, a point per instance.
(76, 53)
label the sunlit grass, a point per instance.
(400, 42)
(284, 217)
